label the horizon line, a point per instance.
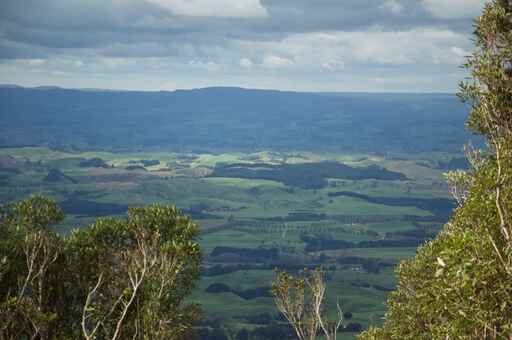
(93, 89)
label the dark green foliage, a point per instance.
(57, 176)
(215, 333)
(353, 327)
(218, 288)
(217, 269)
(305, 175)
(150, 162)
(260, 319)
(135, 167)
(454, 164)
(242, 334)
(370, 265)
(254, 293)
(247, 294)
(459, 286)
(54, 287)
(248, 254)
(441, 207)
(82, 207)
(311, 216)
(93, 163)
(319, 242)
(274, 331)
(30, 257)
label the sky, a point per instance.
(300, 45)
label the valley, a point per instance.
(357, 215)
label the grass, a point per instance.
(230, 238)
(395, 254)
(244, 183)
(359, 301)
(390, 226)
(243, 208)
(354, 206)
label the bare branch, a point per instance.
(305, 318)
(90, 335)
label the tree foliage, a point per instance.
(117, 279)
(459, 286)
(300, 300)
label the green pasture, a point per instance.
(248, 213)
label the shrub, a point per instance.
(459, 286)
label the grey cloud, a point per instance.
(75, 24)
(348, 15)
(75, 15)
(17, 50)
(87, 38)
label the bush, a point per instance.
(99, 281)
(459, 286)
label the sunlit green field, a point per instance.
(252, 213)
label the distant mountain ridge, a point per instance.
(10, 86)
(228, 118)
(100, 89)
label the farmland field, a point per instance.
(357, 215)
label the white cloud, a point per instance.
(215, 8)
(393, 6)
(451, 9)
(246, 63)
(335, 50)
(36, 62)
(117, 62)
(333, 64)
(272, 61)
(208, 65)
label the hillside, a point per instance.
(226, 119)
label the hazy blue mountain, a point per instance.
(213, 119)
(10, 86)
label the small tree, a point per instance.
(29, 250)
(300, 300)
(145, 271)
(117, 279)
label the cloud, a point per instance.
(117, 62)
(272, 61)
(338, 50)
(333, 64)
(450, 9)
(246, 63)
(215, 8)
(207, 66)
(36, 62)
(393, 6)
(316, 45)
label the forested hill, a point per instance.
(213, 119)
